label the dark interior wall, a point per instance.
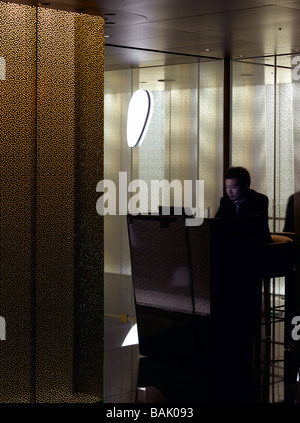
(51, 239)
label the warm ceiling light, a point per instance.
(139, 116)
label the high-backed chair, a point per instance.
(198, 294)
(162, 283)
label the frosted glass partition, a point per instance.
(210, 132)
(117, 158)
(265, 132)
(285, 174)
(252, 110)
(265, 129)
(184, 140)
(170, 150)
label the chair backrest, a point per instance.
(184, 268)
(160, 262)
(162, 286)
(193, 281)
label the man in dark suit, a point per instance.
(240, 200)
(292, 221)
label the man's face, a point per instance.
(234, 189)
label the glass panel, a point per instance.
(253, 124)
(284, 173)
(169, 150)
(117, 159)
(211, 134)
(265, 122)
(264, 138)
(184, 141)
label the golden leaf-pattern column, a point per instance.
(55, 206)
(51, 238)
(17, 176)
(89, 229)
(69, 231)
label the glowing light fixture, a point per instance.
(132, 337)
(139, 117)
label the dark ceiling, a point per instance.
(155, 32)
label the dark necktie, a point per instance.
(237, 207)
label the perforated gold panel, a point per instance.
(55, 205)
(17, 150)
(51, 151)
(69, 231)
(89, 231)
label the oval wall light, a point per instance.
(139, 117)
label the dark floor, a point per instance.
(131, 378)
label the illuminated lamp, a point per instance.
(139, 117)
(132, 337)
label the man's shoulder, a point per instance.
(295, 196)
(257, 195)
(225, 200)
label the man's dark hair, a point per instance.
(239, 173)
